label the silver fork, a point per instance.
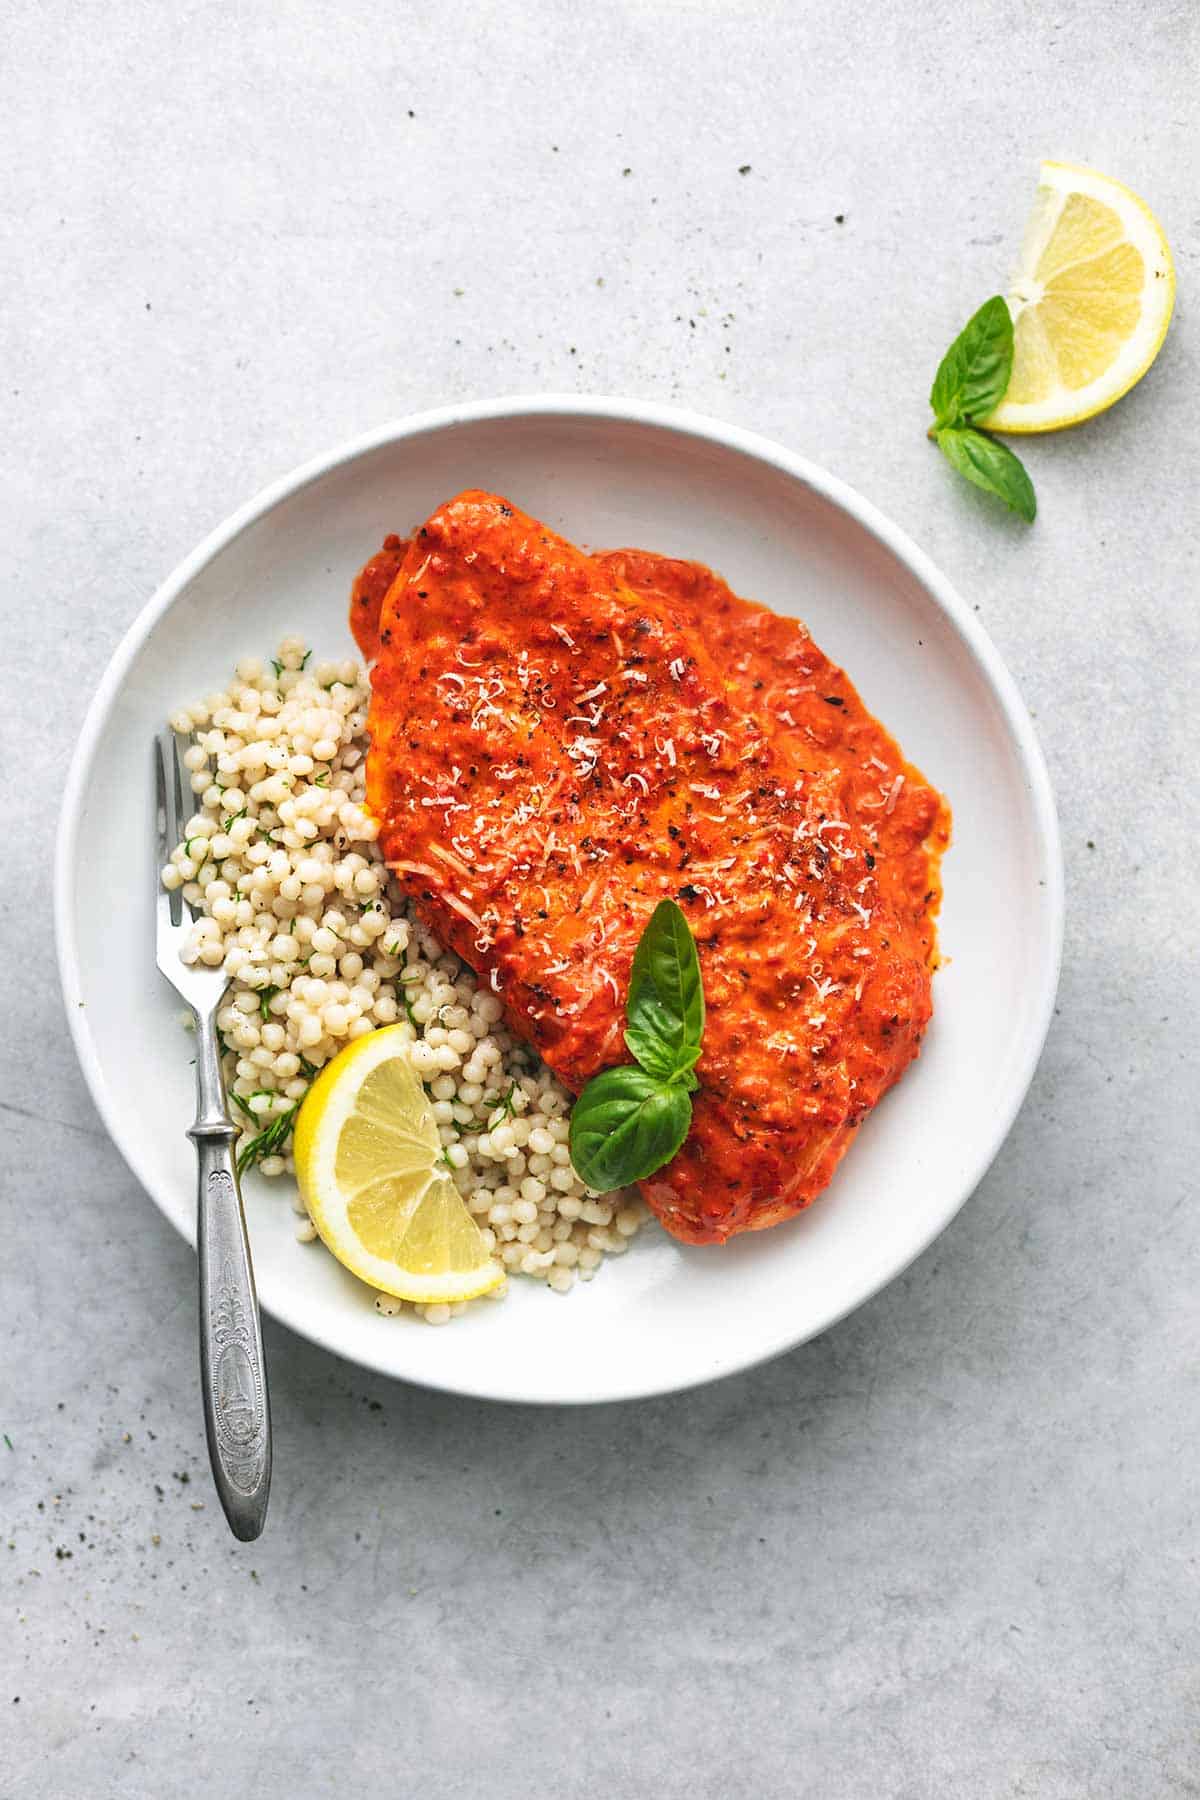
(233, 1375)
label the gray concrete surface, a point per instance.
(950, 1549)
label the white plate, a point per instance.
(605, 472)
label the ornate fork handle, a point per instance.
(233, 1377)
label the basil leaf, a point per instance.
(665, 1005)
(625, 1125)
(974, 373)
(992, 466)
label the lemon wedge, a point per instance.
(368, 1161)
(1091, 301)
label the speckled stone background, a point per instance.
(948, 1552)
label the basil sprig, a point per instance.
(971, 381)
(631, 1120)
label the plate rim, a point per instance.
(688, 423)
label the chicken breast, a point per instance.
(553, 751)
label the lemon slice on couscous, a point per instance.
(369, 1164)
(1091, 301)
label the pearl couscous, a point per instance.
(298, 909)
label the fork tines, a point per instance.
(168, 819)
